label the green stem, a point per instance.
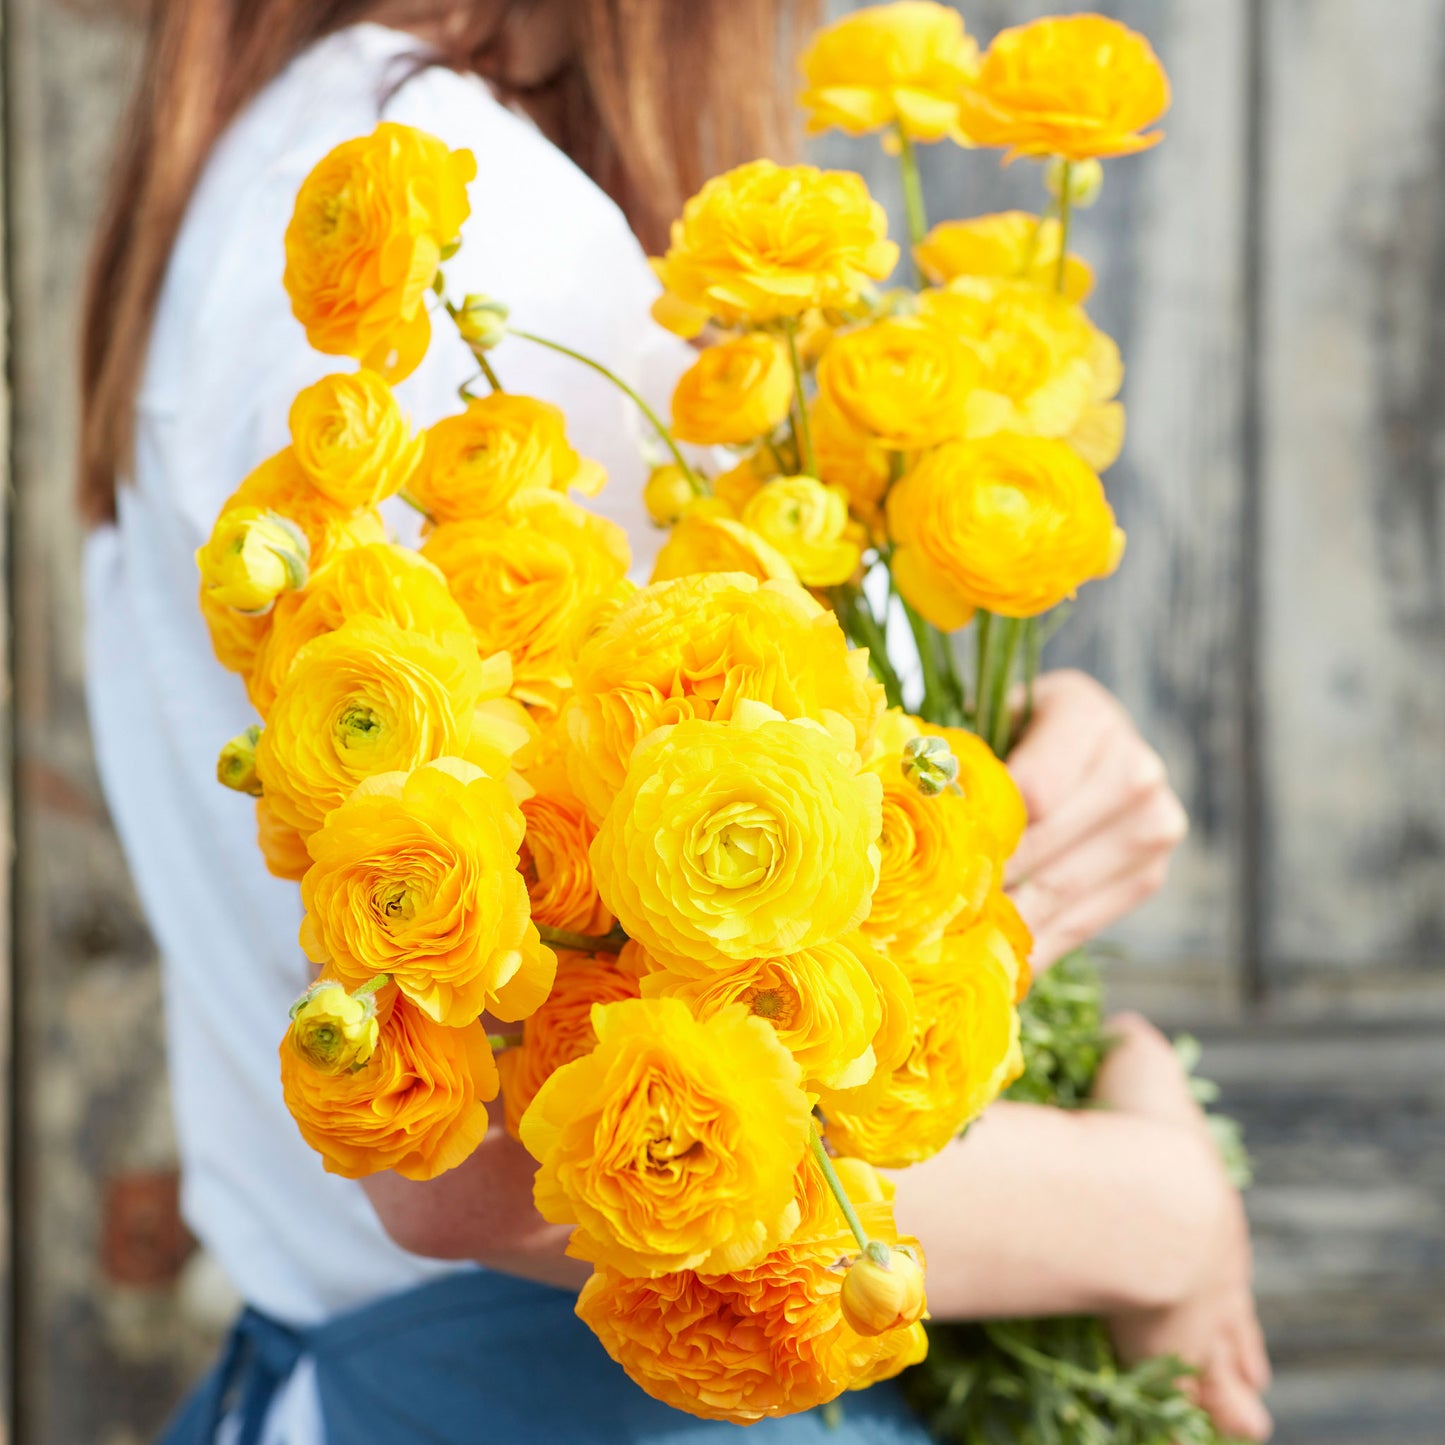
(933, 695)
(983, 625)
(505, 1041)
(815, 1143)
(487, 371)
(1000, 724)
(804, 429)
(583, 942)
(863, 628)
(1033, 656)
(1066, 209)
(913, 205)
(622, 386)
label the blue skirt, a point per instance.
(483, 1357)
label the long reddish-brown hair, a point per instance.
(659, 94)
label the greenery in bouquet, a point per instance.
(695, 875)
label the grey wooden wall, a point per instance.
(1275, 274)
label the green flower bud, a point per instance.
(482, 322)
(930, 765)
(1086, 180)
(335, 1031)
(236, 766)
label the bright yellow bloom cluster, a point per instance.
(785, 959)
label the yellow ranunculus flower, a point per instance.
(965, 1053)
(734, 393)
(807, 522)
(561, 1028)
(282, 846)
(365, 240)
(936, 852)
(822, 1001)
(1044, 369)
(674, 1144)
(280, 485)
(416, 1106)
(696, 647)
(764, 242)
(989, 786)
(850, 459)
(251, 558)
(748, 838)
(379, 580)
(333, 1031)
(525, 579)
(786, 1347)
(475, 463)
(1076, 86)
(903, 381)
(236, 637)
(416, 876)
(366, 699)
(351, 439)
(1007, 246)
(1002, 912)
(1014, 524)
(900, 64)
(705, 542)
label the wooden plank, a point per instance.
(1167, 240)
(102, 1347)
(1353, 641)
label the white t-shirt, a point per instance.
(226, 358)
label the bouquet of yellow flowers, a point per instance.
(732, 875)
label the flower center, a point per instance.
(738, 846)
(358, 726)
(397, 905)
(776, 1005)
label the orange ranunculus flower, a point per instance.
(556, 865)
(850, 459)
(371, 698)
(902, 381)
(560, 1029)
(380, 580)
(807, 521)
(280, 485)
(1076, 86)
(503, 444)
(1044, 368)
(762, 1341)
(282, 846)
(734, 392)
(237, 638)
(764, 242)
(418, 1104)
(1014, 524)
(989, 786)
(416, 877)
(965, 1053)
(901, 64)
(747, 838)
(1007, 246)
(937, 861)
(351, 439)
(365, 241)
(822, 1001)
(693, 648)
(706, 542)
(526, 580)
(674, 1143)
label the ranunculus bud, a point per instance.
(482, 321)
(930, 765)
(883, 1290)
(252, 557)
(1086, 180)
(669, 495)
(236, 766)
(334, 1031)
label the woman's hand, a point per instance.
(1103, 819)
(1213, 1325)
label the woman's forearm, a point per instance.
(1041, 1211)
(482, 1210)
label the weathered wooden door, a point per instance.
(1275, 274)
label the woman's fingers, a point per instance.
(1141, 1074)
(1232, 1403)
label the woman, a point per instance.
(368, 1318)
